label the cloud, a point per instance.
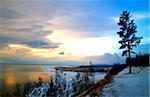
(143, 48)
(61, 53)
(10, 14)
(5, 40)
(29, 22)
(86, 18)
(135, 16)
(31, 33)
(35, 43)
(63, 17)
(41, 44)
(36, 39)
(92, 24)
(107, 58)
(23, 52)
(19, 29)
(141, 16)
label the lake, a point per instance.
(11, 74)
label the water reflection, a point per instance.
(10, 77)
(11, 74)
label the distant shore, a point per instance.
(83, 69)
(93, 68)
(88, 68)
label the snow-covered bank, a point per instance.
(65, 84)
(129, 85)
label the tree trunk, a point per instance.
(130, 70)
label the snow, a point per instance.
(60, 78)
(99, 76)
(48, 69)
(39, 92)
(129, 85)
(123, 84)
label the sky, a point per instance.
(67, 31)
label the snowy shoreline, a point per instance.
(129, 85)
(123, 84)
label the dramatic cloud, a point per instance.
(35, 40)
(61, 15)
(45, 29)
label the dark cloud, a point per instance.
(17, 31)
(5, 40)
(29, 34)
(21, 27)
(34, 42)
(24, 29)
(10, 14)
(42, 33)
(61, 53)
(30, 30)
(41, 44)
(37, 26)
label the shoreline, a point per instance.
(83, 69)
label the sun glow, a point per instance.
(63, 36)
(24, 50)
(71, 46)
(10, 77)
(77, 45)
(15, 45)
(89, 46)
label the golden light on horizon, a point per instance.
(10, 77)
(14, 45)
(77, 45)
(10, 80)
(89, 46)
(63, 36)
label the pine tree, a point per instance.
(81, 82)
(127, 34)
